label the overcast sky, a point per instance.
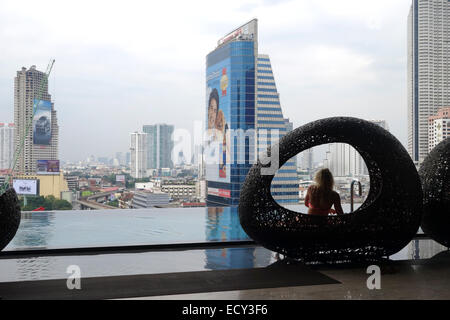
(122, 64)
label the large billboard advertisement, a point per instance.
(47, 167)
(120, 178)
(218, 110)
(42, 122)
(27, 187)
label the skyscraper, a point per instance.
(271, 126)
(307, 159)
(138, 151)
(6, 145)
(428, 69)
(243, 116)
(37, 133)
(344, 161)
(159, 145)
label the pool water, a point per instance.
(94, 228)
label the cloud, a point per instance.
(120, 65)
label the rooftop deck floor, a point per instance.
(420, 271)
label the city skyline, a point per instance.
(331, 59)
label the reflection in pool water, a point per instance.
(54, 267)
(92, 228)
(224, 225)
(65, 229)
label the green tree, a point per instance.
(114, 203)
(49, 203)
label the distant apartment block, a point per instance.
(159, 145)
(180, 191)
(7, 131)
(138, 151)
(344, 161)
(438, 127)
(72, 182)
(307, 160)
(147, 199)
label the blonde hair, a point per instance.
(324, 179)
(324, 186)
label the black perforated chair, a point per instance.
(9, 217)
(383, 225)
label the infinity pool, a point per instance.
(92, 228)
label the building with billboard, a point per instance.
(35, 121)
(7, 131)
(159, 145)
(47, 167)
(48, 185)
(428, 69)
(243, 117)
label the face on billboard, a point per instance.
(218, 122)
(25, 187)
(42, 122)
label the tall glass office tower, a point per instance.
(271, 126)
(243, 116)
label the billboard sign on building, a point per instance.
(247, 31)
(218, 110)
(26, 186)
(42, 122)
(224, 193)
(47, 167)
(120, 178)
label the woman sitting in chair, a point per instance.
(321, 197)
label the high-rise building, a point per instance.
(120, 157)
(438, 127)
(6, 145)
(138, 151)
(307, 160)
(243, 117)
(344, 161)
(159, 145)
(36, 136)
(127, 158)
(271, 126)
(428, 69)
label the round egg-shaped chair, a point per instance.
(435, 175)
(381, 226)
(9, 217)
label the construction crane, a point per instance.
(38, 96)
